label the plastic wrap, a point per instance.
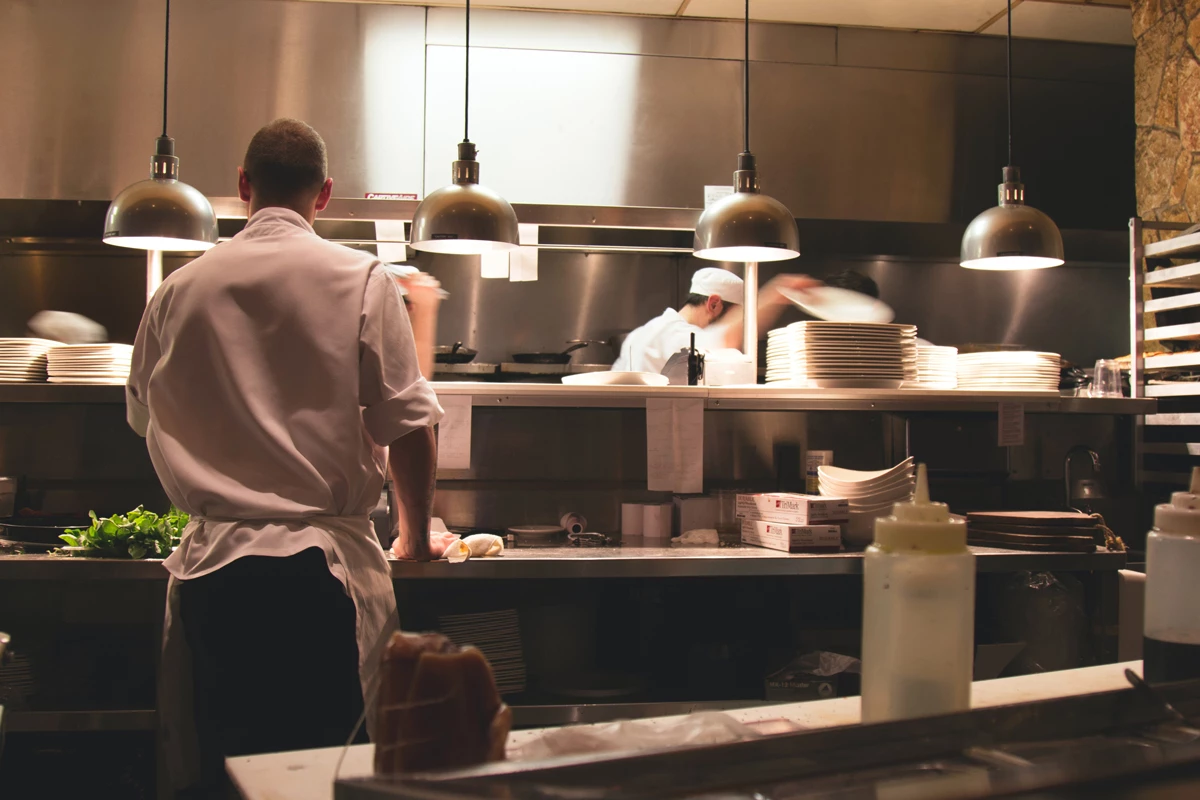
(1047, 611)
(702, 728)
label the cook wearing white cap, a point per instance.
(712, 311)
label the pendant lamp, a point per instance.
(747, 225)
(465, 218)
(1012, 235)
(162, 212)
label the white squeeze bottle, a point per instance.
(918, 612)
(1172, 623)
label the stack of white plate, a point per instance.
(842, 355)
(937, 367)
(870, 494)
(24, 360)
(497, 634)
(1010, 370)
(90, 363)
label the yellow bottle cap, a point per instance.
(921, 524)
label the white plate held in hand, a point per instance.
(840, 305)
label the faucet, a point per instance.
(1090, 489)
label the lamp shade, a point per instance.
(465, 218)
(746, 226)
(1012, 235)
(161, 212)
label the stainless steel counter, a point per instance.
(591, 563)
(730, 398)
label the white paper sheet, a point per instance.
(523, 262)
(675, 445)
(390, 253)
(454, 433)
(494, 265)
(1011, 425)
(714, 193)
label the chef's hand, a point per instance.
(438, 542)
(770, 294)
(424, 290)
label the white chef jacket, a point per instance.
(268, 376)
(648, 348)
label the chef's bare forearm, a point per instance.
(412, 462)
(769, 312)
(424, 325)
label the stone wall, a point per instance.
(1167, 109)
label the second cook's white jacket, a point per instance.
(648, 348)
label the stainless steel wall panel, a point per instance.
(599, 33)
(576, 296)
(967, 54)
(591, 109)
(1074, 311)
(83, 91)
(606, 133)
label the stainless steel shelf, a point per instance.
(1175, 247)
(1172, 361)
(1180, 479)
(763, 398)
(71, 721)
(632, 217)
(1172, 448)
(1179, 389)
(1170, 303)
(1190, 330)
(574, 563)
(1173, 419)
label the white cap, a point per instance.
(1182, 514)
(921, 524)
(722, 283)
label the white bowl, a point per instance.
(848, 476)
(854, 490)
(860, 530)
(896, 495)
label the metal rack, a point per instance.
(1171, 263)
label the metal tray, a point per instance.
(1057, 748)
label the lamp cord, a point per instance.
(166, 60)
(746, 85)
(1008, 73)
(467, 79)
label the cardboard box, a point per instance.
(793, 509)
(792, 538)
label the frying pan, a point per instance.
(39, 533)
(553, 358)
(454, 354)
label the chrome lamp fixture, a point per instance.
(162, 212)
(746, 226)
(1011, 236)
(465, 218)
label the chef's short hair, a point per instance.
(285, 162)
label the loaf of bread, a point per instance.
(438, 707)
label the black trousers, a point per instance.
(275, 660)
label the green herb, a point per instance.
(138, 534)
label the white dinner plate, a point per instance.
(840, 305)
(616, 379)
(855, 383)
